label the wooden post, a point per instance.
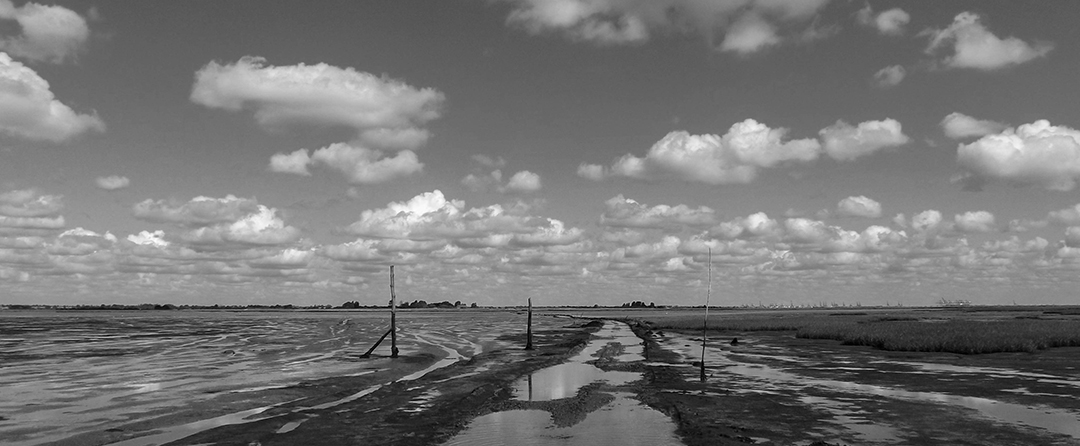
(705, 323)
(528, 329)
(393, 316)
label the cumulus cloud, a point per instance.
(1067, 216)
(1036, 153)
(844, 142)
(522, 182)
(488, 161)
(747, 25)
(890, 22)
(1072, 236)
(431, 219)
(960, 126)
(967, 43)
(360, 165)
(477, 183)
(50, 33)
(385, 112)
(594, 172)
(29, 110)
(29, 203)
(860, 206)
(757, 225)
(146, 238)
(926, 220)
(261, 227)
(976, 221)
(199, 211)
(734, 157)
(890, 76)
(620, 211)
(295, 163)
(213, 223)
(112, 182)
(749, 34)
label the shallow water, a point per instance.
(623, 421)
(564, 381)
(66, 373)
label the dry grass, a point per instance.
(900, 331)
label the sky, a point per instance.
(574, 152)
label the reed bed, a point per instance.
(901, 332)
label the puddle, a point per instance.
(564, 380)
(621, 422)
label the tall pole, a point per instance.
(393, 316)
(705, 323)
(528, 333)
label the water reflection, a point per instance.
(623, 421)
(564, 380)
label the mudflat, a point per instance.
(614, 377)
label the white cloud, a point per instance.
(748, 25)
(29, 203)
(384, 111)
(32, 222)
(1072, 236)
(959, 126)
(199, 211)
(522, 182)
(50, 33)
(360, 165)
(968, 44)
(624, 212)
(735, 157)
(261, 227)
(594, 172)
(488, 161)
(890, 22)
(749, 34)
(1067, 216)
(29, 110)
(295, 163)
(477, 183)
(976, 221)
(890, 76)
(926, 220)
(845, 142)
(757, 225)
(1036, 153)
(113, 182)
(860, 206)
(155, 239)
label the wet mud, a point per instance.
(774, 389)
(594, 383)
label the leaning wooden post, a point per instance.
(528, 329)
(393, 316)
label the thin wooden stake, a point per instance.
(393, 316)
(528, 329)
(705, 323)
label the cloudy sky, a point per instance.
(569, 151)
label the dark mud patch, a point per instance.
(426, 411)
(777, 389)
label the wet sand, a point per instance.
(597, 383)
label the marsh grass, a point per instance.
(902, 332)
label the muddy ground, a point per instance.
(720, 411)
